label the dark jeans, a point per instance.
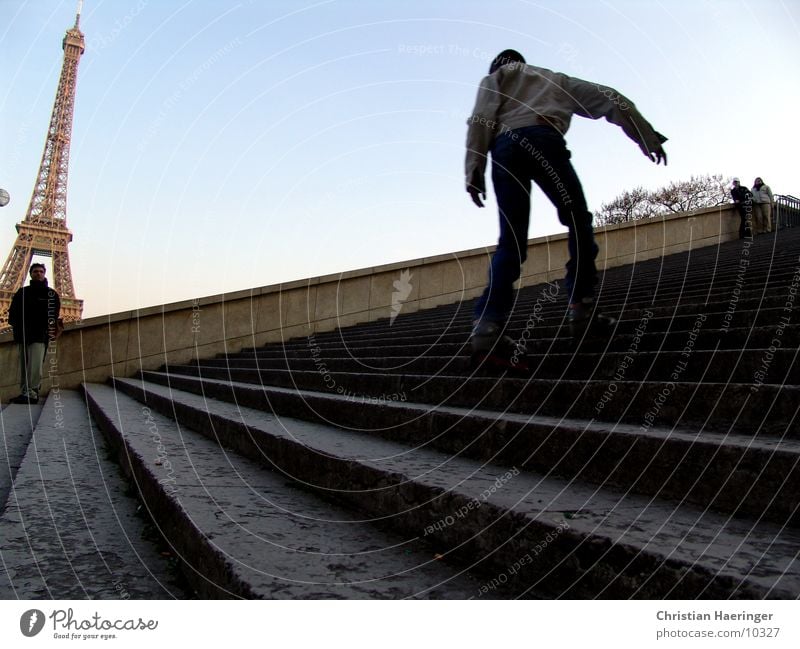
(745, 219)
(537, 153)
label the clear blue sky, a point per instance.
(225, 145)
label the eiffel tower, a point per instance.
(44, 230)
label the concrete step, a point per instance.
(16, 424)
(69, 530)
(698, 280)
(543, 325)
(433, 323)
(737, 366)
(734, 338)
(536, 328)
(658, 279)
(624, 304)
(636, 291)
(734, 474)
(242, 531)
(728, 407)
(704, 283)
(539, 532)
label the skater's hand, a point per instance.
(477, 191)
(477, 195)
(657, 155)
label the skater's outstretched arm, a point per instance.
(595, 101)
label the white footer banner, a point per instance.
(401, 624)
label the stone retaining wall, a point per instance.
(122, 343)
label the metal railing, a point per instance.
(787, 212)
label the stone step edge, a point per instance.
(184, 538)
(426, 316)
(122, 557)
(766, 409)
(266, 574)
(634, 308)
(556, 366)
(426, 324)
(714, 456)
(302, 343)
(16, 420)
(327, 470)
(464, 330)
(410, 376)
(661, 299)
(544, 331)
(646, 355)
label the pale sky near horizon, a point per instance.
(220, 146)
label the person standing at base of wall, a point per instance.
(33, 315)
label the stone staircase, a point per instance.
(70, 528)
(374, 462)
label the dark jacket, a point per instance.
(33, 313)
(741, 194)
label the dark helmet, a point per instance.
(505, 57)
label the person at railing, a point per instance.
(763, 200)
(743, 200)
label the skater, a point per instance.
(33, 315)
(743, 200)
(521, 115)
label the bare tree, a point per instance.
(681, 196)
(628, 206)
(692, 194)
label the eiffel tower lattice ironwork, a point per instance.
(44, 230)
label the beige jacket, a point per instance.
(763, 195)
(520, 95)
